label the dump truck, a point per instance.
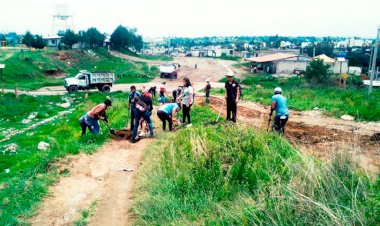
(85, 80)
(169, 71)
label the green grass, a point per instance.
(301, 97)
(27, 68)
(86, 214)
(232, 175)
(32, 171)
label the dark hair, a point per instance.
(136, 99)
(133, 87)
(187, 82)
(108, 102)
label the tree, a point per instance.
(324, 47)
(121, 38)
(94, 38)
(82, 38)
(70, 38)
(28, 38)
(317, 72)
(138, 43)
(38, 42)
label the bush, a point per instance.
(317, 72)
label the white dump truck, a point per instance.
(169, 70)
(85, 80)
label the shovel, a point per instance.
(269, 121)
(112, 131)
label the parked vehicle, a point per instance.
(169, 71)
(85, 80)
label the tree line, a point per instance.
(122, 38)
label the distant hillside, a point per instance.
(37, 68)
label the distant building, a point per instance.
(52, 41)
(280, 63)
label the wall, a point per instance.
(288, 66)
(337, 69)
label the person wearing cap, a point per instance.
(232, 97)
(131, 104)
(207, 91)
(282, 113)
(142, 111)
(91, 118)
(167, 113)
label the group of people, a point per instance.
(278, 104)
(140, 107)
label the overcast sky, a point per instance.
(194, 18)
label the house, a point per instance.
(52, 41)
(280, 63)
(337, 66)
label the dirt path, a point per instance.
(317, 134)
(95, 178)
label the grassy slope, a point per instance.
(32, 171)
(227, 175)
(26, 68)
(301, 97)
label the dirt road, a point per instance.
(207, 68)
(317, 134)
(94, 178)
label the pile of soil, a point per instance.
(61, 55)
(55, 72)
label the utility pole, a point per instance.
(2, 66)
(370, 61)
(374, 58)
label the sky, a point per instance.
(196, 18)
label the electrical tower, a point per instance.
(62, 20)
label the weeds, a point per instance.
(32, 171)
(232, 175)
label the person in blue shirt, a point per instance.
(131, 104)
(282, 113)
(166, 113)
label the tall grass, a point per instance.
(232, 175)
(32, 171)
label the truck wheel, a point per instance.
(73, 89)
(106, 88)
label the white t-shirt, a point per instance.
(186, 94)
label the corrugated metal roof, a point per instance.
(272, 57)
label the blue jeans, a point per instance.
(87, 122)
(162, 99)
(146, 116)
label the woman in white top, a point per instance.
(187, 100)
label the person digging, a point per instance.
(282, 113)
(167, 113)
(91, 119)
(141, 111)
